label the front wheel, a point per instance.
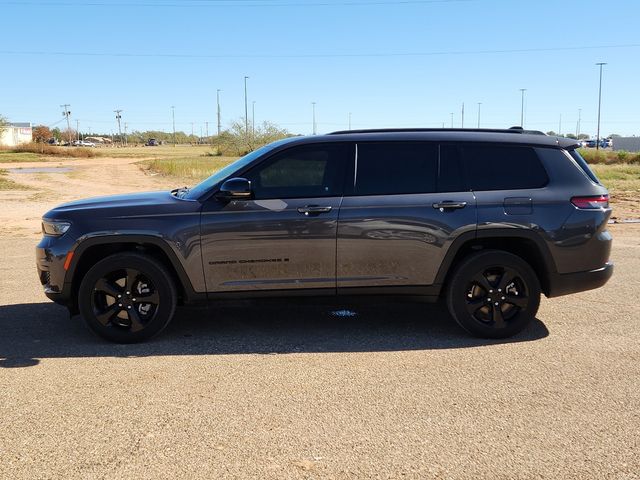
(127, 297)
(493, 294)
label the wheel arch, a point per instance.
(94, 249)
(523, 243)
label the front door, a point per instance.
(284, 237)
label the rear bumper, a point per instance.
(566, 283)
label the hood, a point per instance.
(126, 204)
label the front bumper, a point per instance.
(567, 283)
(51, 253)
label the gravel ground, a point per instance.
(290, 390)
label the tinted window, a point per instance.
(491, 167)
(450, 171)
(583, 165)
(306, 171)
(395, 168)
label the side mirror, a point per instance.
(235, 189)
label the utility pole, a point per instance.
(601, 64)
(479, 103)
(451, 119)
(118, 118)
(206, 129)
(313, 106)
(349, 120)
(173, 117)
(218, 102)
(67, 113)
(246, 108)
(560, 126)
(578, 125)
(191, 139)
(462, 122)
(78, 129)
(522, 90)
(125, 133)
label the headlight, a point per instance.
(54, 228)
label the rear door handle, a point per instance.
(449, 205)
(313, 210)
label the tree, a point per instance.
(41, 133)
(3, 123)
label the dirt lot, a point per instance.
(283, 390)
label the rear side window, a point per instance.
(498, 167)
(582, 163)
(393, 168)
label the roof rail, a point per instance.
(410, 130)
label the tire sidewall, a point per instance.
(152, 269)
(480, 262)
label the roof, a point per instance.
(443, 135)
(20, 124)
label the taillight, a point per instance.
(591, 202)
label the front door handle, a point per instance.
(449, 205)
(313, 210)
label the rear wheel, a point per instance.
(127, 298)
(493, 294)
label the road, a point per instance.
(294, 390)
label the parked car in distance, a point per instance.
(152, 142)
(485, 220)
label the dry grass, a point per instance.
(7, 156)
(7, 184)
(51, 150)
(162, 151)
(189, 168)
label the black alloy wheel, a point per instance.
(493, 294)
(127, 297)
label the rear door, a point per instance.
(404, 205)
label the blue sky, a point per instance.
(389, 63)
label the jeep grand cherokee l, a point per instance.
(486, 220)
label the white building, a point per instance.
(15, 134)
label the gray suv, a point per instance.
(485, 219)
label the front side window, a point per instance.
(503, 167)
(299, 172)
(393, 168)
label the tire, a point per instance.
(493, 294)
(128, 318)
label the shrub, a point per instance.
(46, 149)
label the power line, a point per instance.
(316, 55)
(240, 4)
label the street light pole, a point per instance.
(349, 120)
(246, 108)
(601, 64)
(218, 103)
(522, 90)
(451, 119)
(313, 105)
(479, 103)
(578, 126)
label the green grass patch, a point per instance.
(19, 157)
(609, 157)
(620, 177)
(188, 168)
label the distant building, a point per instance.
(628, 144)
(15, 134)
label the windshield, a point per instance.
(221, 175)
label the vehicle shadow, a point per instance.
(34, 331)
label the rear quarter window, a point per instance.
(584, 166)
(503, 167)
